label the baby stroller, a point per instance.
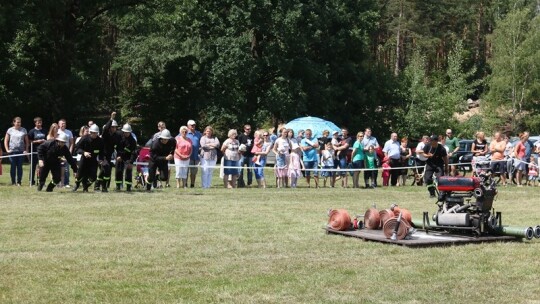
(480, 165)
(142, 169)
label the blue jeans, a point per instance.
(16, 167)
(248, 161)
(259, 169)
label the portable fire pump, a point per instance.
(465, 205)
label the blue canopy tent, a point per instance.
(317, 125)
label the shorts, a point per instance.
(343, 166)
(520, 165)
(230, 163)
(281, 160)
(325, 173)
(311, 168)
(498, 166)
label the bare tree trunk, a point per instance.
(398, 39)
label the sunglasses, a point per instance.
(265, 134)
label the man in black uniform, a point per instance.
(161, 152)
(125, 156)
(49, 160)
(436, 163)
(91, 149)
(110, 139)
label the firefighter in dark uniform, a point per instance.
(436, 163)
(110, 138)
(126, 154)
(50, 154)
(92, 155)
(161, 152)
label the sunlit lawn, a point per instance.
(245, 246)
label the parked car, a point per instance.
(465, 155)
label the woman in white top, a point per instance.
(16, 143)
(231, 158)
(208, 155)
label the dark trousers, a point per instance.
(394, 174)
(54, 169)
(16, 169)
(87, 171)
(245, 161)
(121, 166)
(33, 170)
(163, 167)
(370, 174)
(104, 177)
(438, 171)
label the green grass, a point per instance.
(245, 246)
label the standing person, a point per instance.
(296, 165)
(281, 149)
(247, 139)
(53, 131)
(436, 164)
(91, 148)
(341, 150)
(370, 163)
(231, 159)
(519, 153)
(182, 155)
(405, 154)
(161, 152)
(110, 139)
(194, 160)
(369, 140)
(126, 155)
(325, 138)
(392, 151)
(209, 152)
(420, 158)
(49, 154)
(498, 161)
(36, 136)
(310, 146)
(16, 143)
(62, 129)
(452, 143)
(358, 157)
(160, 126)
(261, 155)
(479, 146)
(327, 162)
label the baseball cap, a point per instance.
(434, 137)
(335, 132)
(191, 122)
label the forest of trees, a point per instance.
(393, 65)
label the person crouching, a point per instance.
(50, 154)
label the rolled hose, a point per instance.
(372, 219)
(339, 219)
(390, 225)
(385, 215)
(536, 230)
(405, 214)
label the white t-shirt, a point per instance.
(16, 139)
(419, 148)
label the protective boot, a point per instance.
(97, 185)
(128, 188)
(40, 186)
(431, 190)
(50, 187)
(77, 185)
(104, 187)
(148, 187)
(85, 186)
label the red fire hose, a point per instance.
(339, 220)
(372, 219)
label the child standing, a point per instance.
(327, 162)
(296, 165)
(386, 171)
(533, 172)
(371, 161)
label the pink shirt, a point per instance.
(183, 148)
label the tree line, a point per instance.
(392, 65)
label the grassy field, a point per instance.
(245, 246)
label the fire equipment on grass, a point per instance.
(339, 219)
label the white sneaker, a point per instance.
(67, 186)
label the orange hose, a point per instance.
(405, 214)
(372, 219)
(339, 220)
(385, 215)
(390, 225)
